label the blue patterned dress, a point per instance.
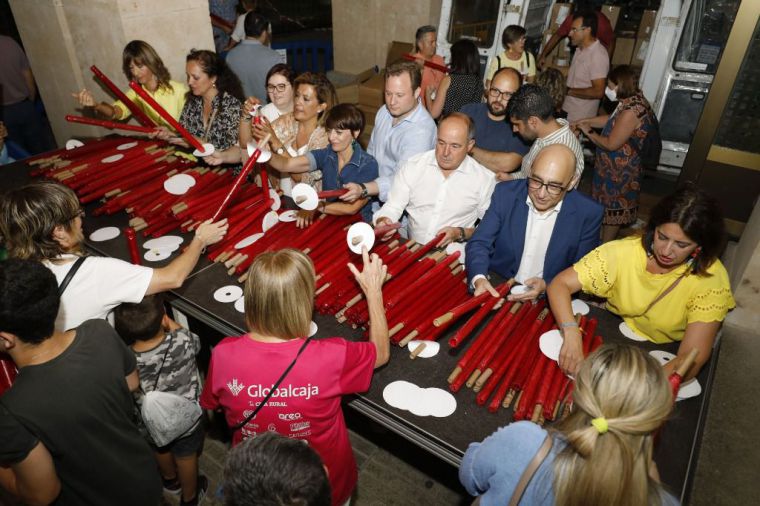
(617, 174)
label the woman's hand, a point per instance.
(571, 353)
(84, 98)
(372, 276)
(250, 104)
(385, 221)
(211, 233)
(262, 129)
(483, 285)
(304, 218)
(162, 133)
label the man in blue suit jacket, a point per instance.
(534, 229)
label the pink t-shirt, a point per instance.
(588, 64)
(307, 402)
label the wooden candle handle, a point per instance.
(419, 349)
(687, 363)
(301, 199)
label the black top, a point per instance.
(79, 406)
(464, 89)
(224, 122)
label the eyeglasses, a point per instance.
(551, 188)
(578, 28)
(497, 93)
(78, 214)
(279, 87)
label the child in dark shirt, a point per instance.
(165, 354)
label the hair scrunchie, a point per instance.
(600, 424)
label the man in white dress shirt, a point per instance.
(443, 191)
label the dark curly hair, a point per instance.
(214, 66)
(699, 216)
(28, 300)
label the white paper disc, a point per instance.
(270, 220)
(453, 247)
(73, 144)
(663, 357)
(402, 394)
(551, 343)
(112, 158)
(244, 243)
(276, 201)
(156, 255)
(302, 190)
(263, 157)
(126, 146)
(179, 184)
(431, 348)
(229, 293)
(363, 231)
(105, 234)
(208, 149)
(629, 333)
(691, 388)
(439, 402)
(580, 307)
(164, 242)
(240, 305)
(519, 289)
(313, 327)
(288, 216)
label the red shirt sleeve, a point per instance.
(358, 366)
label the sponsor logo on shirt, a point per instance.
(235, 386)
(289, 416)
(289, 391)
(299, 426)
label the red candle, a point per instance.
(432, 65)
(237, 184)
(134, 252)
(138, 113)
(166, 116)
(108, 124)
(328, 194)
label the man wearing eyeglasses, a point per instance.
(534, 228)
(497, 147)
(252, 58)
(587, 76)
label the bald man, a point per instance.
(443, 191)
(534, 228)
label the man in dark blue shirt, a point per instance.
(497, 147)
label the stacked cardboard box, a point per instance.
(559, 57)
(643, 36)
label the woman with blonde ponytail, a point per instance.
(601, 454)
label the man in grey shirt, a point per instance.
(252, 58)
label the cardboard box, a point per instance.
(647, 25)
(613, 13)
(369, 111)
(640, 52)
(623, 51)
(347, 85)
(559, 12)
(396, 50)
(372, 91)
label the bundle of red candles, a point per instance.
(504, 362)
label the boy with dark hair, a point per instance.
(165, 354)
(273, 470)
(72, 394)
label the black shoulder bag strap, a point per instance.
(274, 387)
(70, 275)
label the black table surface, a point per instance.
(448, 437)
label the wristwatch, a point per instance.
(461, 234)
(365, 192)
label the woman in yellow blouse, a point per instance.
(141, 64)
(668, 285)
